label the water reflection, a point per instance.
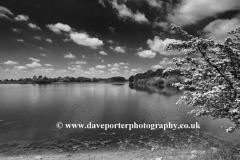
(166, 91)
(30, 112)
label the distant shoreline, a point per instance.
(3, 82)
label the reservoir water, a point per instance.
(30, 112)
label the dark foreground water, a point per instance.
(30, 112)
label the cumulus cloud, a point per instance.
(134, 70)
(20, 67)
(103, 53)
(113, 69)
(218, 29)
(155, 3)
(43, 69)
(85, 40)
(4, 12)
(21, 18)
(118, 49)
(37, 37)
(34, 59)
(48, 65)
(9, 62)
(190, 11)
(16, 30)
(110, 41)
(69, 55)
(124, 12)
(34, 65)
(100, 66)
(79, 38)
(49, 40)
(81, 62)
(76, 68)
(44, 55)
(59, 27)
(109, 65)
(158, 45)
(147, 54)
(20, 40)
(157, 66)
(166, 61)
(34, 26)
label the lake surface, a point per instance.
(30, 112)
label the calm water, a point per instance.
(29, 112)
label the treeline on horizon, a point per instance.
(45, 80)
(157, 78)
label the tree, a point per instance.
(214, 73)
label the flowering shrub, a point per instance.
(215, 75)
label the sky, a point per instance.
(103, 38)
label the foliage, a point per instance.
(215, 75)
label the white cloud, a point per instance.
(34, 59)
(218, 29)
(110, 41)
(85, 40)
(69, 55)
(81, 62)
(119, 49)
(109, 65)
(157, 66)
(49, 40)
(158, 45)
(9, 62)
(139, 17)
(37, 37)
(121, 63)
(44, 55)
(147, 54)
(33, 26)
(16, 30)
(21, 18)
(83, 56)
(43, 69)
(102, 61)
(20, 67)
(166, 61)
(102, 53)
(125, 12)
(190, 11)
(76, 68)
(4, 12)
(20, 40)
(155, 3)
(100, 66)
(134, 70)
(48, 65)
(115, 65)
(126, 67)
(102, 71)
(57, 28)
(114, 69)
(34, 65)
